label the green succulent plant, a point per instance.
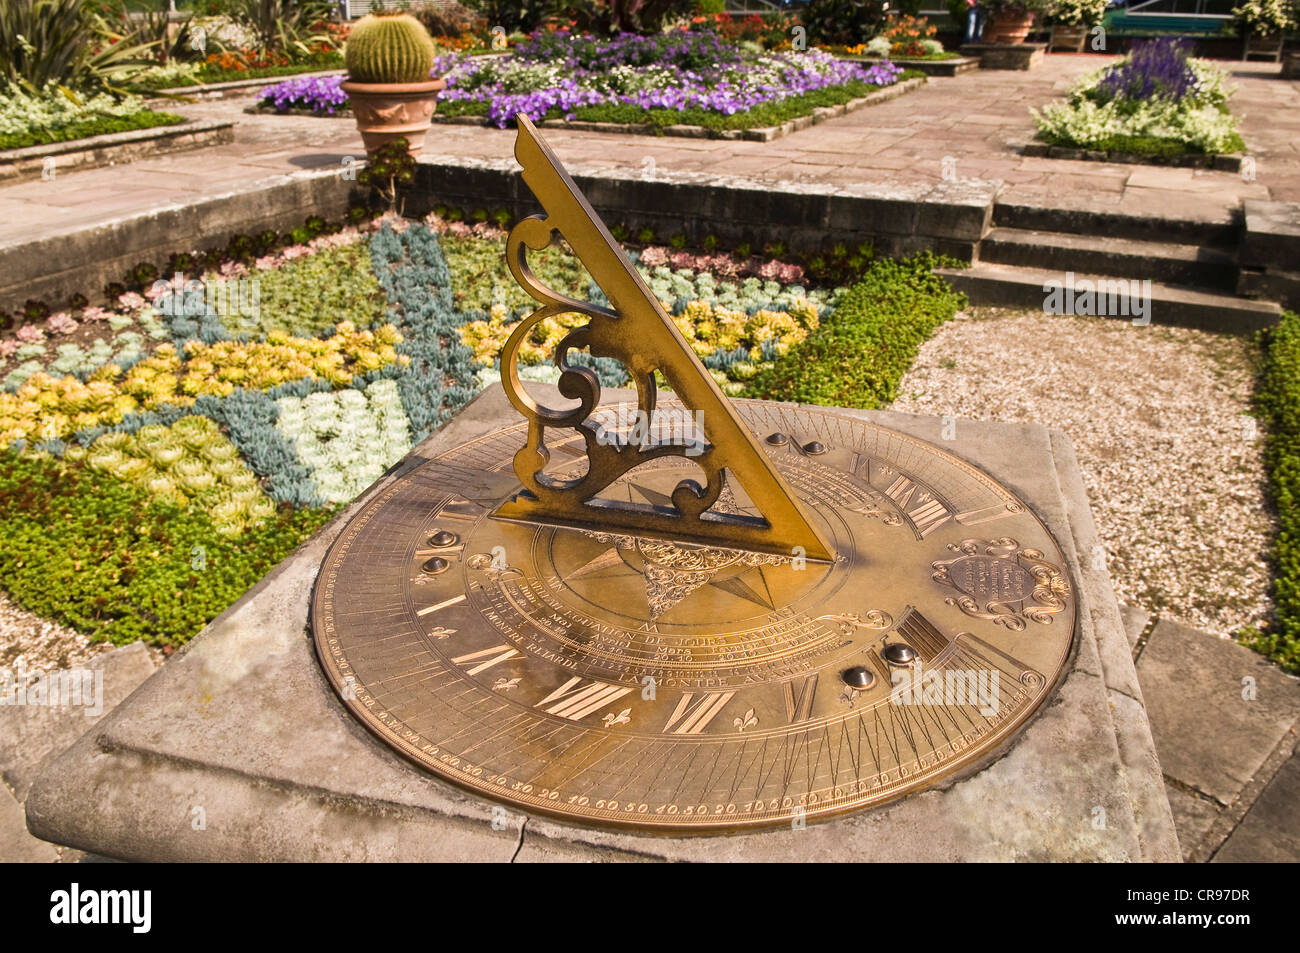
(388, 48)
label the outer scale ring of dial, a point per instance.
(355, 617)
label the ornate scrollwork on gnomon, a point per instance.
(636, 332)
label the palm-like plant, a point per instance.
(63, 42)
(283, 26)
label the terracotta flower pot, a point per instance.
(1009, 26)
(387, 111)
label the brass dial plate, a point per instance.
(613, 680)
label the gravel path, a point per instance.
(1160, 422)
(28, 640)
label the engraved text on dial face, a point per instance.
(613, 679)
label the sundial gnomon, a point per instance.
(801, 614)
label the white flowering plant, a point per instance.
(1267, 17)
(1086, 13)
(55, 107)
(1157, 101)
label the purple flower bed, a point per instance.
(320, 94)
(564, 72)
(564, 84)
(1155, 69)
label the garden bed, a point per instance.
(188, 448)
(1157, 103)
(671, 80)
(806, 113)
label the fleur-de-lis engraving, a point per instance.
(749, 720)
(439, 632)
(620, 719)
(505, 684)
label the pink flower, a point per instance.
(681, 259)
(30, 334)
(63, 323)
(7, 348)
(131, 301)
(652, 256)
(724, 266)
(488, 230)
(267, 263)
(95, 314)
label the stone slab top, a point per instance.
(242, 729)
(112, 139)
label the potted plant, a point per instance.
(389, 58)
(1262, 23)
(1011, 20)
(1072, 20)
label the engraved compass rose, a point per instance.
(679, 642)
(672, 571)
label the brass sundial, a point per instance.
(687, 616)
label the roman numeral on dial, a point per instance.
(799, 700)
(927, 516)
(692, 717)
(493, 656)
(573, 700)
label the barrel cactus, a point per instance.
(389, 47)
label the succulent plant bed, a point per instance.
(165, 447)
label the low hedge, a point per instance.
(1277, 399)
(858, 355)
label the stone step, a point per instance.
(17, 845)
(1135, 623)
(1224, 720)
(1201, 265)
(1192, 226)
(1010, 286)
(32, 734)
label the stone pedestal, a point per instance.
(238, 749)
(1007, 55)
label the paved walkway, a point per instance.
(1225, 722)
(976, 119)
